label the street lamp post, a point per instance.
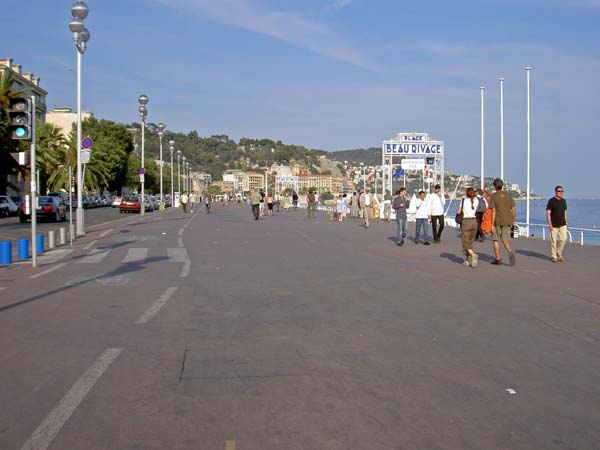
(184, 183)
(482, 90)
(81, 36)
(179, 172)
(171, 148)
(143, 100)
(161, 135)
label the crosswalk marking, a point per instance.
(45, 272)
(135, 255)
(54, 256)
(90, 245)
(93, 257)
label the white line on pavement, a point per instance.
(180, 255)
(93, 257)
(43, 436)
(181, 231)
(107, 232)
(185, 270)
(90, 245)
(45, 272)
(180, 242)
(135, 254)
(2, 288)
(153, 310)
(54, 256)
(306, 237)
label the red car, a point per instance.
(130, 204)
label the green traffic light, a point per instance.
(20, 132)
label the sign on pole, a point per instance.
(413, 164)
(86, 155)
(141, 177)
(86, 142)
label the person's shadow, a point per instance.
(452, 257)
(533, 254)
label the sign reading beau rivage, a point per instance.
(413, 144)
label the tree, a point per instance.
(51, 153)
(7, 163)
(214, 190)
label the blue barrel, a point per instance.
(40, 244)
(6, 252)
(23, 249)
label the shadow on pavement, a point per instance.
(124, 268)
(452, 257)
(533, 254)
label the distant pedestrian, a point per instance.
(286, 202)
(269, 200)
(400, 205)
(295, 200)
(556, 214)
(503, 220)
(262, 203)
(184, 202)
(341, 208)
(366, 204)
(387, 206)
(481, 208)
(192, 200)
(277, 200)
(422, 216)
(354, 205)
(310, 204)
(437, 200)
(468, 229)
(255, 200)
(207, 202)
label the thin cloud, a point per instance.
(341, 3)
(290, 27)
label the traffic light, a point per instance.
(21, 117)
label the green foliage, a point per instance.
(326, 196)
(214, 190)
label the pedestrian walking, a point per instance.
(269, 200)
(192, 200)
(286, 203)
(262, 203)
(184, 202)
(504, 212)
(341, 208)
(310, 204)
(481, 208)
(255, 200)
(277, 200)
(400, 205)
(295, 201)
(387, 206)
(422, 216)
(366, 203)
(468, 229)
(556, 214)
(354, 205)
(207, 202)
(437, 200)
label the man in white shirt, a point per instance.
(366, 203)
(436, 213)
(422, 216)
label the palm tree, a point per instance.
(50, 155)
(7, 145)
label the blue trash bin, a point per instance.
(23, 249)
(6, 252)
(40, 244)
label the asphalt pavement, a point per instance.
(173, 331)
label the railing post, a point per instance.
(581, 237)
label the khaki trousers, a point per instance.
(367, 215)
(558, 234)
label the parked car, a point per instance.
(63, 196)
(4, 210)
(116, 201)
(49, 208)
(9, 207)
(86, 202)
(130, 204)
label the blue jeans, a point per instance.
(400, 229)
(421, 223)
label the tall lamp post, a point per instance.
(171, 149)
(81, 36)
(161, 135)
(184, 183)
(143, 100)
(179, 172)
(482, 90)
(528, 71)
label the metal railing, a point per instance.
(523, 229)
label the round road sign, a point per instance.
(142, 170)
(87, 142)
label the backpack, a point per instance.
(481, 206)
(459, 216)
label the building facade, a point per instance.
(65, 118)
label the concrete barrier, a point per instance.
(51, 239)
(62, 236)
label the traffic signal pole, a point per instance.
(34, 188)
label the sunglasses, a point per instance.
(559, 191)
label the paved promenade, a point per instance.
(218, 332)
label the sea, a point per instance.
(582, 213)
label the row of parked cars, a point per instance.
(50, 208)
(132, 203)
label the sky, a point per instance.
(340, 74)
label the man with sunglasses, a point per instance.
(556, 214)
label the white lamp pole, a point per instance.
(482, 90)
(81, 36)
(528, 71)
(502, 129)
(143, 100)
(179, 172)
(161, 134)
(171, 149)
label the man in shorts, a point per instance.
(503, 219)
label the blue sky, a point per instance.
(339, 74)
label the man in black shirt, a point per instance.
(556, 213)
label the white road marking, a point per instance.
(107, 232)
(54, 256)
(2, 288)
(135, 254)
(90, 245)
(179, 255)
(43, 436)
(45, 272)
(306, 237)
(181, 231)
(180, 242)
(153, 310)
(95, 256)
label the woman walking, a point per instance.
(341, 208)
(468, 229)
(269, 199)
